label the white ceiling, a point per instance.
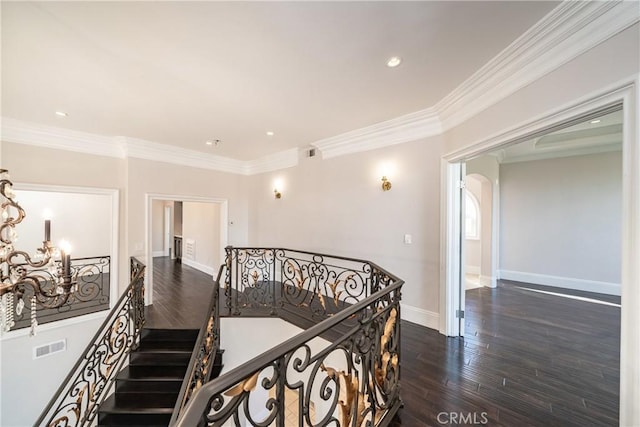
(180, 73)
(595, 135)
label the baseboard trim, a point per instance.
(487, 281)
(198, 266)
(420, 316)
(472, 269)
(562, 282)
(156, 254)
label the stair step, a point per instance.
(215, 370)
(149, 334)
(142, 373)
(150, 385)
(145, 399)
(115, 412)
(181, 345)
(164, 371)
(160, 358)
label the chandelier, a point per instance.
(16, 280)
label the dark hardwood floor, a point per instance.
(181, 296)
(527, 358)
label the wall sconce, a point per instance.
(277, 188)
(386, 184)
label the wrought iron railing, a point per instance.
(90, 381)
(90, 295)
(344, 370)
(204, 353)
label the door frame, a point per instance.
(223, 205)
(166, 230)
(627, 94)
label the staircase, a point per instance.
(147, 389)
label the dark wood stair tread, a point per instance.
(147, 389)
(114, 406)
(133, 375)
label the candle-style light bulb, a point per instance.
(65, 256)
(47, 224)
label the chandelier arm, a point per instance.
(45, 298)
(36, 264)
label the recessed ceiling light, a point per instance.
(61, 114)
(270, 133)
(593, 122)
(394, 61)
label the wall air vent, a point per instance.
(49, 349)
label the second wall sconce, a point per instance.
(386, 184)
(277, 188)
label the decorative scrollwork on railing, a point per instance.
(251, 279)
(262, 278)
(91, 293)
(353, 380)
(87, 385)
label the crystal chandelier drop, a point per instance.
(15, 265)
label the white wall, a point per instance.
(157, 227)
(27, 385)
(201, 224)
(561, 219)
(472, 247)
(84, 220)
(337, 206)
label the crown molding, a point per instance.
(147, 150)
(21, 132)
(569, 30)
(407, 128)
(273, 162)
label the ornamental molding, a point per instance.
(569, 30)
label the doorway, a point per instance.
(206, 217)
(597, 105)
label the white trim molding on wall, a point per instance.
(419, 316)
(627, 94)
(114, 244)
(198, 266)
(157, 254)
(570, 29)
(562, 282)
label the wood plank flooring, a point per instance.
(181, 296)
(527, 359)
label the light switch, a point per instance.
(407, 239)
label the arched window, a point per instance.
(472, 216)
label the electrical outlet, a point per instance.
(407, 239)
